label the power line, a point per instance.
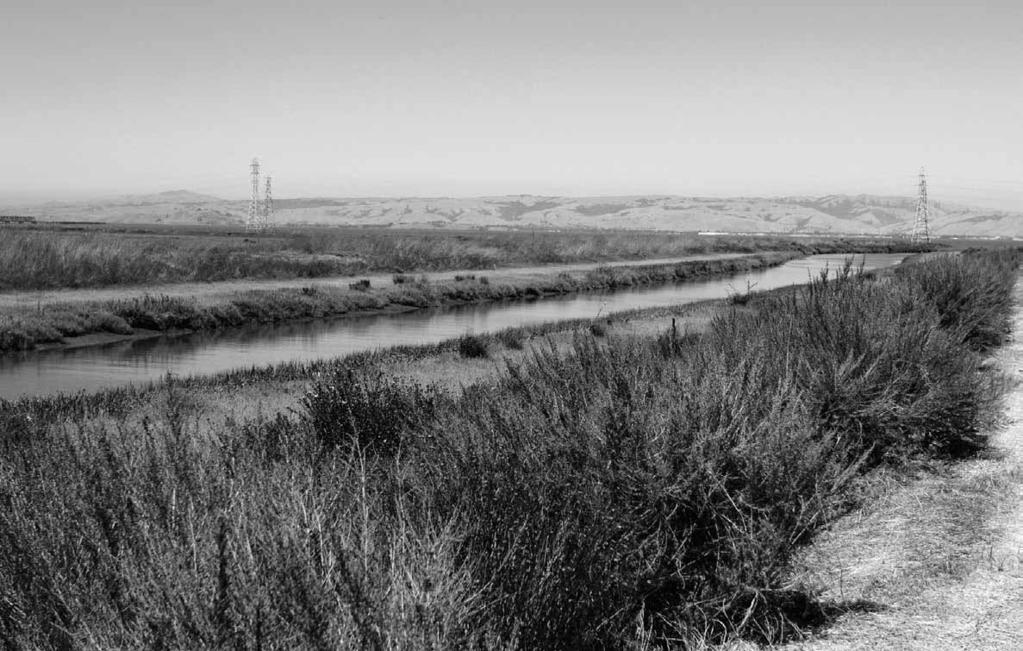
(268, 205)
(254, 207)
(261, 211)
(921, 229)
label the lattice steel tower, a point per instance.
(921, 227)
(254, 207)
(268, 205)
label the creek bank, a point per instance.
(117, 320)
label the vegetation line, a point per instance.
(633, 492)
(26, 329)
(47, 256)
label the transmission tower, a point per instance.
(254, 207)
(921, 228)
(268, 205)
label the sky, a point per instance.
(557, 97)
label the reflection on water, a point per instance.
(37, 373)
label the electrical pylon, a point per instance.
(254, 207)
(921, 227)
(268, 205)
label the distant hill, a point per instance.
(172, 206)
(170, 196)
(845, 214)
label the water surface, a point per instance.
(96, 367)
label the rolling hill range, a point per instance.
(860, 214)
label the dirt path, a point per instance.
(219, 290)
(938, 563)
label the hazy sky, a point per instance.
(434, 97)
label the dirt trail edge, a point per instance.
(936, 563)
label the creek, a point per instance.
(68, 370)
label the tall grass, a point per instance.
(48, 257)
(31, 260)
(629, 491)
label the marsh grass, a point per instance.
(512, 339)
(50, 324)
(51, 260)
(632, 491)
(48, 256)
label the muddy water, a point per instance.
(63, 371)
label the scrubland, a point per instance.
(51, 256)
(629, 492)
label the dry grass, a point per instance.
(924, 566)
(934, 560)
(49, 256)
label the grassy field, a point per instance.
(25, 328)
(628, 492)
(51, 256)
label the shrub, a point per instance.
(472, 346)
(971, 293)
(875, 364)
(587, 482)
(367, 412)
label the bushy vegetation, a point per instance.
(48, 256)
(360, 285)
(473, 346)
(631, 492)
(367, 413)
(976, 311)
